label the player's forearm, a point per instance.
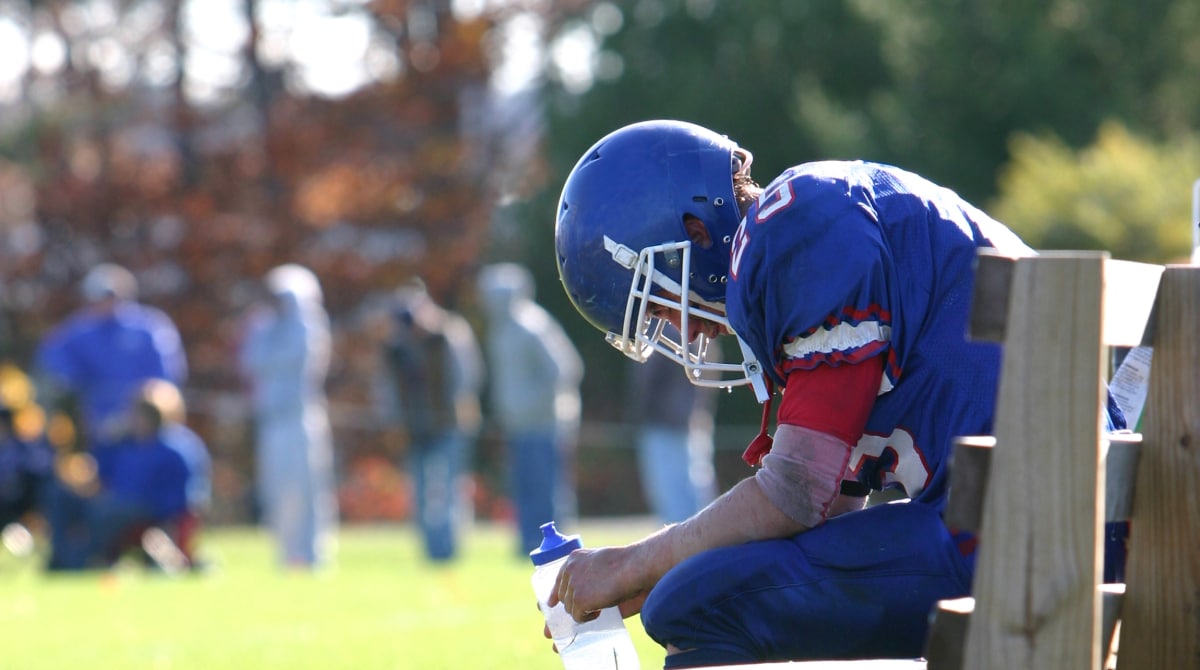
(797, 488)
(742, 514)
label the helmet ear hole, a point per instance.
(697, 232)
(741, 160)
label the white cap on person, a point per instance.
(108, 280)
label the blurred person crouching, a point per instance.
(26, 467)
(102, 505)
(26, 461)
(183, 531)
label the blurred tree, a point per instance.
(937, 86)
(785, 78)
(774, 75)
(200, 155)
(967, 74)
(1123, 193)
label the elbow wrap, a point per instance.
(803, 473)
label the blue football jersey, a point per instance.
(841, 262)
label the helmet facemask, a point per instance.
(643, 334)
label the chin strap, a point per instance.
(753, 370)
(760, 446)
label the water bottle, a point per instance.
(600, 644)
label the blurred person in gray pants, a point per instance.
(434, 375)
(535, 373)
(673, 428)
(285, 358)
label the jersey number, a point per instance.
(770, 203)
(773, 201)
(905, 465)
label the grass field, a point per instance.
(381, 606)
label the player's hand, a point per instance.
(547, 635)
(627, 609)
(594, 579)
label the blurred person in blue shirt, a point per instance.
(102, 353)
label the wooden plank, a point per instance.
(973, 457)
(990, 296)
(1160, 622)
(1037, 606)
(968, 481)
(1129, 290)
(1120, 475)
(948, 634)
(1111, 596)
(948, 631)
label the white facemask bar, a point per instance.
(643, 335)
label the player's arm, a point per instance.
(822, 415)
(798, 487)
(593, 579)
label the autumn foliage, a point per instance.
(200, 203)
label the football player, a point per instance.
(847, 286)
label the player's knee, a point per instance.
(691, 640)
(681, 604)
(655, 613)
(661, 616)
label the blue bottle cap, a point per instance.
(555, 545)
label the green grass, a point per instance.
(381, 606)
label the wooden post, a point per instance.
(1037, 606)
(948, 634)
(968, 482)
(1120, 475)
(973, 457)
(1160, 614)
(1111, 596)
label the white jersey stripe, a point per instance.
(842, 337)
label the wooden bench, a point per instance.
(1039, 482)
(1054, 478)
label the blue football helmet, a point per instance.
(622, 245)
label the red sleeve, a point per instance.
(832, 400)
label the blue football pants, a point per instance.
(861, 585)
